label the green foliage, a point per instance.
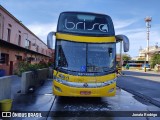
(126, 57)
(155, 59)
(25, 66)
(21, 67)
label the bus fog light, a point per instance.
(58, 88)
(111, 90)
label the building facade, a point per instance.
(152, 50)
(18, 43)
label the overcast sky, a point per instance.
(41, 16)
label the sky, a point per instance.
(41, 17)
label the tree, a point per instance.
(126, 57)
(155, 59)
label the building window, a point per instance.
(42, 50)
(4, 58)
(46, 52)
(0, 29)
(37, 48)
(50, 54)
(27, 44)
(19, 40)
(9, 25)
(30, 59)
(8, 34)
(18, 57)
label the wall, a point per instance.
(33, 79)
(5, 87)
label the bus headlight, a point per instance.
(110, 82)
(58, 88)
(111, 90)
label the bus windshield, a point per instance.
(89, 24)
(85, 57)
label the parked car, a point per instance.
(147, 66)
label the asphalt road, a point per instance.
(144, 84)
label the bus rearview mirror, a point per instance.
(50, 40)
(125, 40)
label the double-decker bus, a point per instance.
(85, 55)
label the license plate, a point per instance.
(85, 92)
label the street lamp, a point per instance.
(148, 26)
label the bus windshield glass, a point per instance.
(90, 24)
(85, 57)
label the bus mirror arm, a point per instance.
(120, 38)
(57, 69)
(50, 40)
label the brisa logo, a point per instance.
(71, 26)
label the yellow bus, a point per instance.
(85, 55)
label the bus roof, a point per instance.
(79, 12)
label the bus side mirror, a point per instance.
(50, 40)
(125, 40)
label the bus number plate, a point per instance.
(85, 92)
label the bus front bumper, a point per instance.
(64, 90)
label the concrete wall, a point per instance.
(50, 73)
(42, 74)
(5, 87)
(33, 79)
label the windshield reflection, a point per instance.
(85, 57)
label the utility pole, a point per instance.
(148, 26)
